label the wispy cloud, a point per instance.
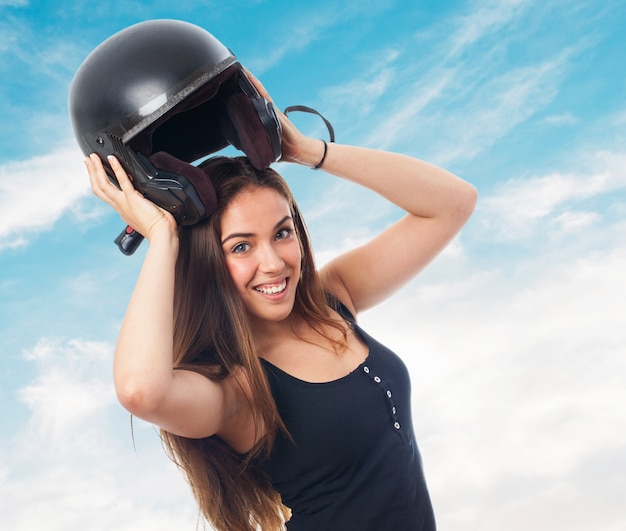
(361, 94)
(34, 194)
(518, 384)
(8, 37)
(468, 92)
(483, 20)
(520, 205)
(65, 395)
(73, 464)
(496, 106)
(297, 38)
(14, 3)
(296, 31)
(566, 118)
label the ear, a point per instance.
(196, 177)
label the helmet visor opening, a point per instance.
(194, 127)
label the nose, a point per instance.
(270, 260)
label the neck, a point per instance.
(267, 333)
(270, 335)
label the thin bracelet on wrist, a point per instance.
(319, 164)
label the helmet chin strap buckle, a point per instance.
(128, 241)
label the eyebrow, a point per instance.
(251, 234)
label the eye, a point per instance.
(240, 248)
(284, 233)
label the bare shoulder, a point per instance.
(335, 286)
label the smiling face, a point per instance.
(262, 252)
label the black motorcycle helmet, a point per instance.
(162, 94)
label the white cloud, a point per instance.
(504, 101)
(14, 3)
(296, 39)
(59, 398)
(478, 109)
(618, 119)
(566, 118)
(517, 364)
(72, 465)
(576, 220)
(361, 94)
(516, 209)
(487, 18)
(8, 38)
(518, 388)
(456, 101)
(428, 89)
(308, 25)
(34, 194)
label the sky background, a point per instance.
(514, 336)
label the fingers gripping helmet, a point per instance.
(162, 94)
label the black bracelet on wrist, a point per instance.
(329, 126)
(319, 164)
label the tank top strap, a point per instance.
(340, 308)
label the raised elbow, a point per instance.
(468, 201)
(461, 204)
(137, 397)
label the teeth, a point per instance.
(272, 289)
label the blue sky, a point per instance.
(514, 336)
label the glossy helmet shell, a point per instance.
(162, 94)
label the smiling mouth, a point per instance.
(272, 289)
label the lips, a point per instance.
(272, 289)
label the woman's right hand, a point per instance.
(135, 210)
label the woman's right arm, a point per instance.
(181, 402)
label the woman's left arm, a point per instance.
(437, 204)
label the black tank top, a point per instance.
(353, 464)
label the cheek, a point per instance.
(296, 256)
(238, 271)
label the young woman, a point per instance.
(270, 397)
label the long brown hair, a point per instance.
(212, 336)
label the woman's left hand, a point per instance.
(295, 146)
(135, 210)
